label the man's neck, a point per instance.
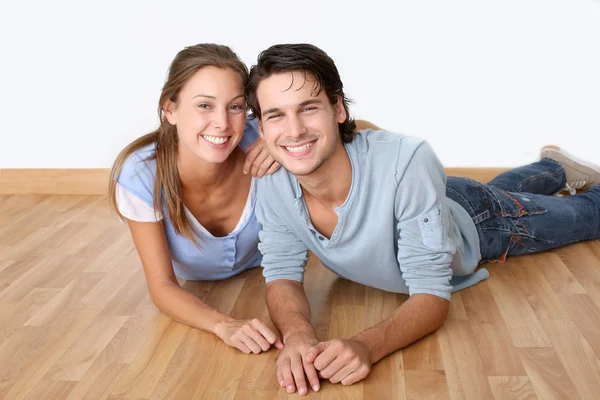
(330, 184)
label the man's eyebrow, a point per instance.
(303, 104)
(311, 101)
(270, 111)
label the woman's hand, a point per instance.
(250, 336)
(258, 160)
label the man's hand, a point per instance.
(339, 360)
(258, 160)
(292, 367)
(251, 336)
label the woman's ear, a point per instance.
(169, 110)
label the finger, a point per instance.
(315, 351)
(280, 379)
(279, 344)
(343, 373)
(264, 167)
(298, 372)
(311, 374)
(240, 345)
(264, 330)
(333, 368)
(252, 345)
(327, 356)
(253, 152)
(288, 377)
(256, 337)
(274, 167)
(356, 376)
(258, 161)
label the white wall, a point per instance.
(486, 82)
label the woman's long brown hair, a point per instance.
(167, 185)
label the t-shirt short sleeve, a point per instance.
(132, 207)
(137, 177)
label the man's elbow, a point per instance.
(436, 307)
(443, 308)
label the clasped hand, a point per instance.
(340, 360)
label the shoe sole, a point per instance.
(557, 154)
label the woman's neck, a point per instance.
(196, 173)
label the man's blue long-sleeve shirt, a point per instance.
(397, 231)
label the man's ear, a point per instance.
(169, 109)
(340, 111)
(260, 129)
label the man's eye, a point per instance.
(274, 116)
(309, 108)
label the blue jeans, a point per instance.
(517, 212)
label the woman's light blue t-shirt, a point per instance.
(218, 257)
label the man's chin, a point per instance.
(302, 173)
(300, 170)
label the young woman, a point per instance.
(187, 193)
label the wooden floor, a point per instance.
(76, 322)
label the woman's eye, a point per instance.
(237, 107)
(205, 106)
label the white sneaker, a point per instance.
(580, 174)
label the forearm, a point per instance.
(184, 307)
(420, 315)
(289, 308)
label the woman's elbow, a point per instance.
(157, 293)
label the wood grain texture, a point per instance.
(54, 181)
(76, 322)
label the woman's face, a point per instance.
(210, 114)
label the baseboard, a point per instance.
(95, 181)
(54, 181)
(479, 174)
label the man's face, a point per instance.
(300, 128)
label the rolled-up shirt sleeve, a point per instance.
(284, 254)
(425, 249)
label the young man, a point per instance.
(376, 208)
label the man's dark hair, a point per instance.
(312, 62)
